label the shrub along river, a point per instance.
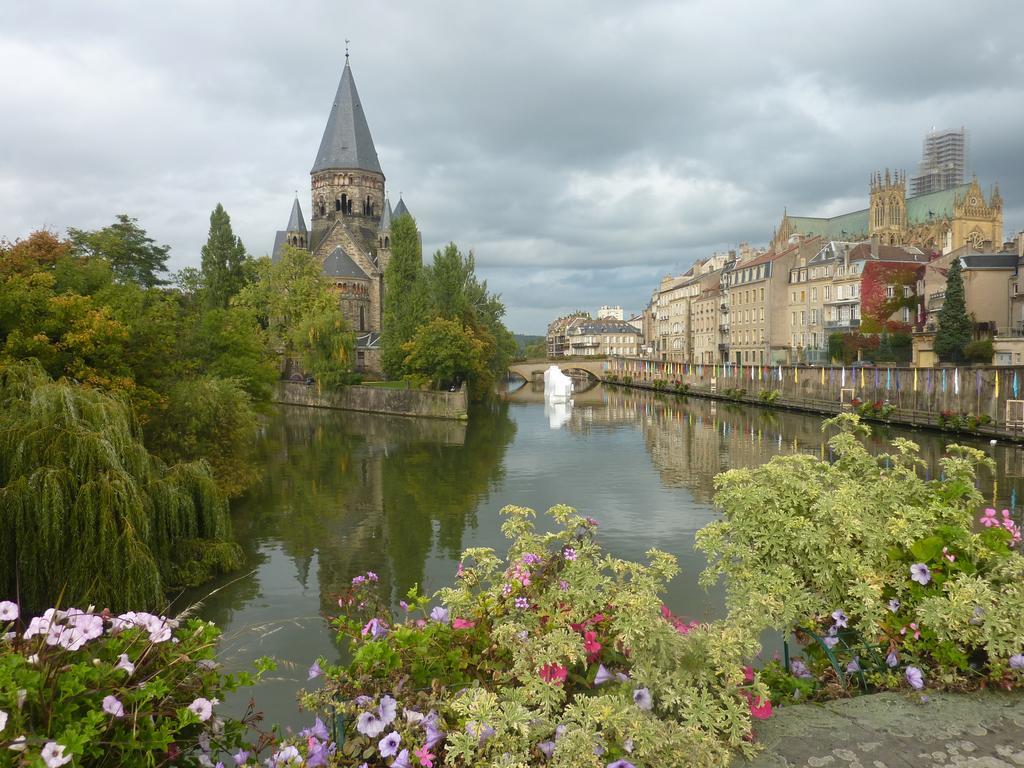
(343, 493)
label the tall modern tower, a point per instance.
(942, 162)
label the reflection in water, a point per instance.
(558, 412)
(344, 493)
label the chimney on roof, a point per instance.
(874, 246)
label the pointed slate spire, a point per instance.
(347, 142)
(385, 217)
(401, 209)
(295, 222)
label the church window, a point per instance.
(349, 208)
(344, 204)
(323, 208)
(337, 204)
(387, 243)
(362, 318)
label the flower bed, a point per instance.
(557, 654)
(135, 689)
(876, 572)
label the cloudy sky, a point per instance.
(582, 149)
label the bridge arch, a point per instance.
(533, 369)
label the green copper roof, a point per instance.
(935, 205)
(849, 226)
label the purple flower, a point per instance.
(547, 748)
(389, 744)
(622, 676)
(318, 729)
(920, 573)
(375, 628)
(569, 553)
(402, 761)
(240, 756)
(854, 666)
(603, 675)
(388, 709)
(125, 664)
(440, 615)
(621, 764)
(369, 724)
(434, 734)
(317, 753)
(8, 610)
(356, 580)
(522, 603)
(482, 732)
(112, 706)
(830, 641)
(642, 698)
(403, 605)
(894, 605)
(842, 620)
(529, 558)
(314, 670)
(371, 576)
(563, 585)
(799, 669)
(1017, 661)
(915, 678)
(892, 660)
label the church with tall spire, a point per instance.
(350, 231)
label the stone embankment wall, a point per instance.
(920, 395)
(397, 402)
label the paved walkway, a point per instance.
(891, 730)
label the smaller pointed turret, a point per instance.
(296, 223)
(401, 209)
(385, 217)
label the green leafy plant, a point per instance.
(768, 396)
(557, 652)
(876, 571)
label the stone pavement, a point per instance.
(894, 730)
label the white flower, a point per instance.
(203, 708)
(3, 719)
(19, 744)
(112, 706)
(53, 755)
(8, 610)
(125, 664)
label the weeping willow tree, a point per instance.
(87, 515)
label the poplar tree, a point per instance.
(224, 258)
(954, 332)
(405, 304)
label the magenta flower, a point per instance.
(1017, 661)
(569, 553)
(388, 746)
(642, 698)
(8, 611)
(915, 678)
(112, 706)
(920, 573)
(522, 603)
(463, 623)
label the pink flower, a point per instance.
(463, 624)
(760, 709)
(553, 673)
(591, 646)
(203, 708)
(425, 756)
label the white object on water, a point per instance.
(992, 441)
(557, 386)
(558, 412)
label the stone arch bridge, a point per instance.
(531, 370)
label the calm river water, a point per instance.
(344, 493)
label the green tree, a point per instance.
(326, 348)
(229, 343)
(87, 515)
(133, 255)
(885, 352)
(223, 263)
(954, 333)
(446, 352)
(405, 306)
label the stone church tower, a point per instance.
(887, 213)
(351, 222)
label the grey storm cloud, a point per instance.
(582, 149)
